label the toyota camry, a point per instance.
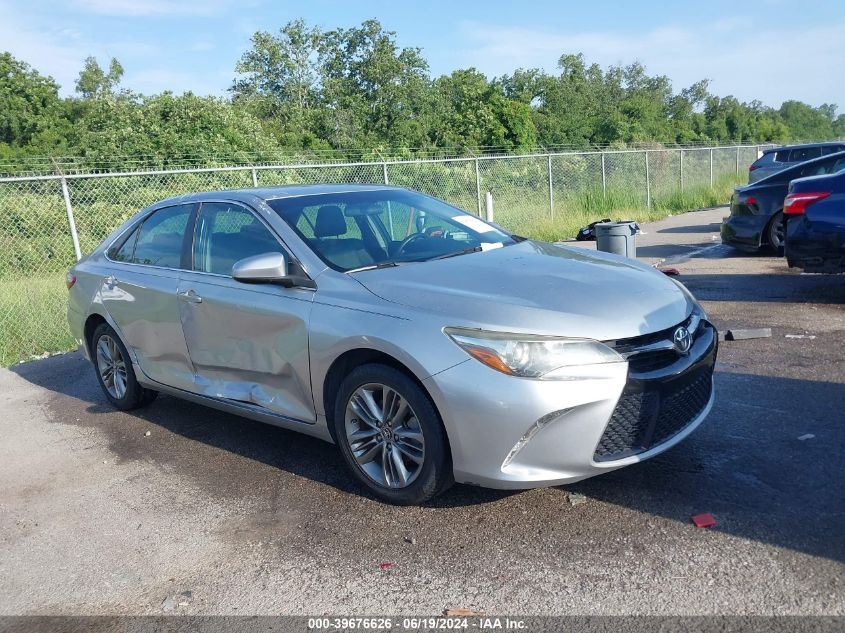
(431, 346)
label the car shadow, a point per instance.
(693, 228)
(745, 464)
(72, 379)
(790, 286)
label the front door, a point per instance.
(140, 295)
(247, 342)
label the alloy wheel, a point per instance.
(384, 435)
(112, 366)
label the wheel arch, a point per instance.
(355, 357)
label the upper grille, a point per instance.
(654, 351)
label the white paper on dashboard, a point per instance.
(489, 247)
(471, 222)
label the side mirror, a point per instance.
(264, 268)
(268, 268)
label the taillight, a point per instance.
(753, 167)
(750, 200)
(70, 279)
(796, 203)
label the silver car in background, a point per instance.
(428, 344)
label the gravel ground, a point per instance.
(182, 509)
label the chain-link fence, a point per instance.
(48, 222)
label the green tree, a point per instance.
(94, 82)
(280, 79)
(30, 108)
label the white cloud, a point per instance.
(742, 66)
(136, 8)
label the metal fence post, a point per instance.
(478, 186)
(647, 183)
(737, 160)
(70, 220)
(551, 190)
(384, 171)
(488, 201)
(603, 175)
(682, 169)
(711, 166)
(254, 177)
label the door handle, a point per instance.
(189, 296)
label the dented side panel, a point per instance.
(142, 302)
(249, 343)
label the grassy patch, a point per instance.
(579, 209)
(33, 318)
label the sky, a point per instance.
(769, 50)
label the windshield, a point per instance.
(365, 229)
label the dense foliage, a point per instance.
(354, 92)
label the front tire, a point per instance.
(390, 435)
(115, 372)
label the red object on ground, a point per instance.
(703, 520)
(672, 272)
(385, 566)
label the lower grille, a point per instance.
(648, 415)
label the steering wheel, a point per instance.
(413, 237)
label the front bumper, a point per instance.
(514, 433)
(744, 232)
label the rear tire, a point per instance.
(775, 232)
(115, 373)
(390, 436)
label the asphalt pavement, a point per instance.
(179, 509)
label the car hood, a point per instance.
(538, 288)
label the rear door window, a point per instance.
(782, 156)
(161, 236)
(801, 154)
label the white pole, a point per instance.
(551, 190)
(603, 175)
(647, 183)
(254, 178)
(489, 206)
(478, 185)
(711, 166)
(682, 169)
(70, 220)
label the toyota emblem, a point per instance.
(682, 340)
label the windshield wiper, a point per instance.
(471, 249)
(466, 251)
(387, 264)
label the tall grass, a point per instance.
(576, 210)
(32, 313)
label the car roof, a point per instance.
(801, 165)
(781, 148)
(273, 193)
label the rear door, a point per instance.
(140, 294)
(247, 342)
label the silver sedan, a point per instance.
(428, 344)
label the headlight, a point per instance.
(530, 356)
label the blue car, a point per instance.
(756, 218)
(815, 224)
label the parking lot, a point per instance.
(181, 509)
